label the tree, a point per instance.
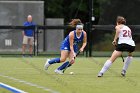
(67, 9)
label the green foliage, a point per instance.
(67, 9)
(110, 9)
(105, 43)
(53, 8)
(105, 12)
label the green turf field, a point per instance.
(28, 75)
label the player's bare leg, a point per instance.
(64, 55)
(109, 62)
(23, 49)
(67, 64)
(31, 50)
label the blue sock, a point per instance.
(55, 60)
(63, 66)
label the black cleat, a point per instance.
(123, 73)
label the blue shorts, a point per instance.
(66, 46)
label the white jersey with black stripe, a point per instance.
(125, 36)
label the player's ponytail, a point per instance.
(121, 20)
(74, 22)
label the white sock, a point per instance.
(106, 66)
(127, 62)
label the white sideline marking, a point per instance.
(28, 83)
(10, 88)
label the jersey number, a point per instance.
(126, 33)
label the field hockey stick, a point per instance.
(71, 61)
(122, 57)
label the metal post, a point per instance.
(90, 41)
(91, 19)
(34, 41)
(87, 46)
(37, 40)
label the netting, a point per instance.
(14, 13)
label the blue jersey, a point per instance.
(66, 44)
(29, 32)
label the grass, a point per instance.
(29, 76)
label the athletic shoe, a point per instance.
(46, 66)
(123, 73)
(58, 71)
(100, 74)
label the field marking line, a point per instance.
(29, 83)
(10, 88)
(60, 81)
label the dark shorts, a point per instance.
(125, 47)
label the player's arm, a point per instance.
(84, 42)
(71, 40)
(116, 35)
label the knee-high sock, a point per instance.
(127, 62)
(106, 66)
(55, 60)
(63, 66)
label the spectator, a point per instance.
(28, 36)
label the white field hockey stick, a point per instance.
(71, 61)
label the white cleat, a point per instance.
(100, 74)
(58, 71)
(46, 66)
